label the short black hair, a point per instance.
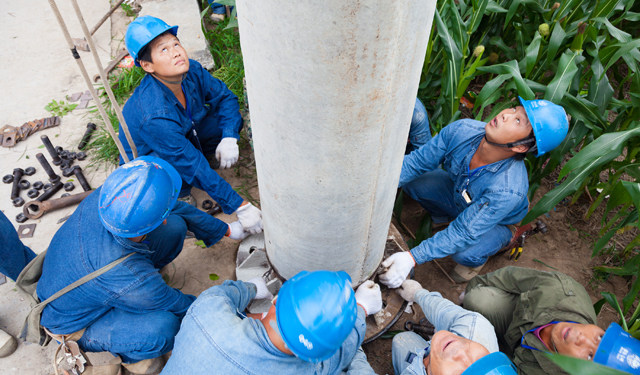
(532, 148)
(145, 52)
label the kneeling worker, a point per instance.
(482, 188)
(183, 115)
(536, 312)
(129, 310)
(315, 326)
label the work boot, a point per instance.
(462, 274)
(189, 199)
(151, 366)
(217, 17)
(8, 344)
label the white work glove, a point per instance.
(236, 231)
(250, 217)
(399, 264)
(227, 152)
(369, 297)
(262, 292)
(408, 290)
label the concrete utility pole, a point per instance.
(331, 86)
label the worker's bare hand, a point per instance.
(250, 217)
(408, 290)
(261, 287)
(227, 152)
(399, 264)
(369, 297)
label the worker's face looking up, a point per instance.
(169, 59)
(510, 125)
(576, 340)
(451, 354)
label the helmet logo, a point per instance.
(307, 344)
(633, 361)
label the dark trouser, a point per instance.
(494, 304)
(133, 336)
(14, 256)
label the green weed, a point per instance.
(60, 108)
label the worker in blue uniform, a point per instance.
(315, 326)
(14, 256)
(183, 115)
(129, 311)
(481, 188)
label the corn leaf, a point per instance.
(558, 86)
(479, 7)
(583, 110)
(600, 91)
(613, 301)
(604, 8)
(532, 52)
(453, 64)
(493, 7)
(618, 196)
(226, 2)
(621, 49)
(458, 27)
(508, 51)
(567, 6)
(511, 67)
(575, 366)
(633, 189)
(628, 300)
(491, 87)
(618, 34)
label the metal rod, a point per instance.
(53, 177)
(52, 150)
(83, 70)
(106, 16)
(105, 80)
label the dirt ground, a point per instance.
(565, 247)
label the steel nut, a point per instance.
(47, 187)
(69, 186)
(207, 204)
(66, 163)
(30, 171)
(64, 154)
(73, 155)
(65, 195)
(20, 218)
(7, 179)
(38, 185)
(59, 149)
(33, 193)
(67, 172)
(24, 184)
(18, 202)
(81, 155)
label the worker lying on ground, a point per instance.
(183, 115)
(482, 188)
(315, 326)
(14, 256)
(129, 311)
(534, 312)
(464, 342)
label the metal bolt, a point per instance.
(52, 151)
(53, 177)
(17, 176)
(91, 127)
(83, 181)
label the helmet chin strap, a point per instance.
(169, 82)
(511, 144)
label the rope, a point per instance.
(85, 75)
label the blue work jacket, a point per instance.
(158, 123)
(498, 191)
(216, 338)
(83, 245)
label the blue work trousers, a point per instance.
(14, 256)
(434, 191)
(134, 336)
(420, 131)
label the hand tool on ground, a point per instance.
(424, 328)
(517, 244)
(55, 159)
(54, 204)
(53, 177)
(17, 175)
(48, 193)
(216, 209)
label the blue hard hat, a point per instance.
(619, 350)
(315, 312)
(137, 197)
(549, 122)
(492, 364)
(142, 31)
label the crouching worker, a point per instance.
(129, 310)
(183, 115)
(14, 256)
(315, 326)
(464, 342)
(482, 188)
(536, 312)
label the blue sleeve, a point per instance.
(14, 255)
(466, 230)
(237, 294)
(344, 356)
(204, 226)
(447, 316)
(359, 365)
(164, 137)
(219, 97)
(147, 292)
(425, 159)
